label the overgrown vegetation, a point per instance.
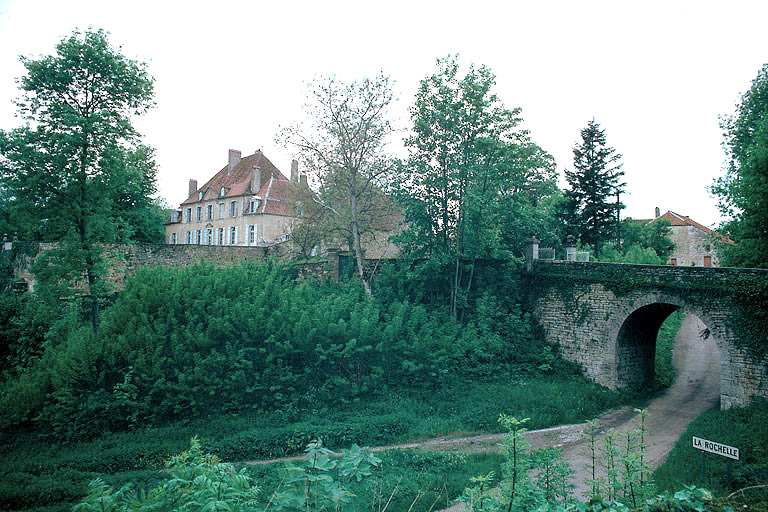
(188, 342)
(664, 374)
(744, 428)
(355, 480)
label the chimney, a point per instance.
(303, 179)
(192, 187)
(255, 179)
(294, 171)
(658, 212)
(234, 159)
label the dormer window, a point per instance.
(200, 195)
(254, 204)
(223, 192)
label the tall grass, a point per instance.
(745, 428)
(35, 472)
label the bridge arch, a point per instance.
(636, 336)
(606, 316)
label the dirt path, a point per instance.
(695, 390)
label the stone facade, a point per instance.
(695, 244)
(248, 203)
(611, 334)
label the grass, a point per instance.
(745, 428)
(665, 342)
(431, 477)
(36, 473)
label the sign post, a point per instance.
(731, 452)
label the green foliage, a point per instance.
(664, 372)
(646, 243)
(400, 416)
(77, 172)
(592, 204)
(197, 482)
(744, 428)
(188, 342)
(475, 185)
(742, 192)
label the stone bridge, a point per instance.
(605, 317)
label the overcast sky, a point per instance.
(655, 75)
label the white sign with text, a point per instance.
(717, 448)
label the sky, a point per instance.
(657, 76)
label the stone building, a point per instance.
(695, 244)
(247, 203)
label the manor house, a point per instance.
(247, 203)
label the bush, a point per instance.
(194, 341)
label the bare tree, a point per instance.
(343, 146)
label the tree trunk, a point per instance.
(90, 264)
(356, 247)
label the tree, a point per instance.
(743, 190)
(344, 148)
(593, 203)
(471, 175)
(77, 171)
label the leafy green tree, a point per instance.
(641, 242)
(743, 191)
(77, 172)
(471, 173)
(593, 203)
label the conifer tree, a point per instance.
(593, 206)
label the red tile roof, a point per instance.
(238, 182)
(675, 219)
(277, 193)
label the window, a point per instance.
(221, 210)
(189, 214)
(173, 239)
(199, 213)
(209, 236)
(254, 204)
(233, 209)
(200, 196)
(209, 212)
(233, 235)
(187, 237)
(252, 234)
(223, 192)
(220, 237)
(198, 236)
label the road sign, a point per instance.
(716, 448)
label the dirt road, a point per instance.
(695, 390)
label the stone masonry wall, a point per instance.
(584, 319)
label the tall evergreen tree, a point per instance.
(592, 203)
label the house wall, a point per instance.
(691, 245)
(270, 227)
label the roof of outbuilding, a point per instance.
(677, 220)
